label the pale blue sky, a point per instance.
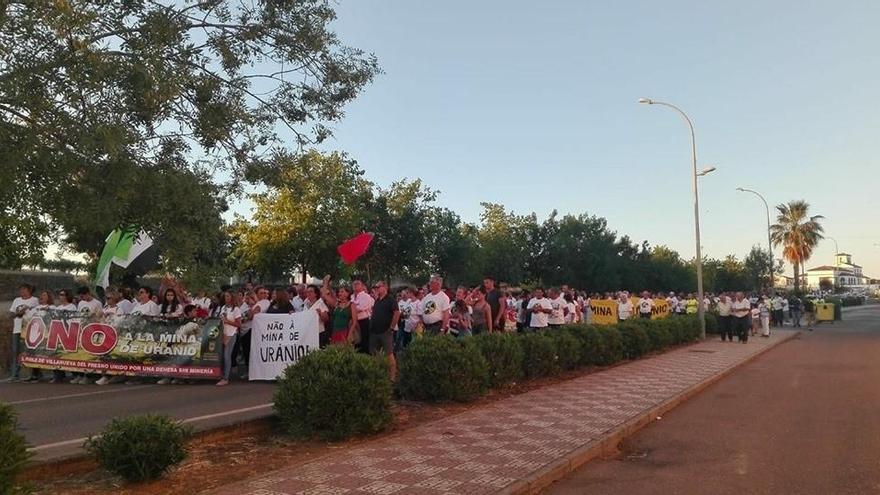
(533, 105)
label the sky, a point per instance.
(534, 105)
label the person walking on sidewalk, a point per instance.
(726, 319)
(764, 311)
(742, 311)
(796, 307)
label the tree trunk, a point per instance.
(796, 278)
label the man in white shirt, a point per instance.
(363, 304)
(88, 306)
(741, 309)
(202, 301)
(124, 305)
(21, 305)
(725, 318)
(559, 307)
(263, 302)
(624, 307)
(646, 305)
(299, 300)
(436, 308)
(145, 305)
(540, 309)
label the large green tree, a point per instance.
(315, 203)
(96, 89)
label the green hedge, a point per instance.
(443, 368)
(335, 393)
(317, 393)
(504, 355)
(140, 448)
(13, 450)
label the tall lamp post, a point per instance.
(836, 249)
(701, 309)
(769, 242)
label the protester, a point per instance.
(231, 317)
(796, 307)
(646, 305)
(540, 309)
(314, 302)
(363, 304)
(624, 307)
(559, 308)
(383, 321)
(482, 315)
(436, 308)
(725, 319)
(411, 314)
(123, 302)
(741, 310)
(764, 307)
(775, 306)
(523, 315)
(572, 314)
(280, 304)
(145, 305)
(171, 307)
(497, 302)
(809, 313)
(344, 322)
(21, 305)
(243, 344)
(298, 301)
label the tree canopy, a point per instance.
(152, 112)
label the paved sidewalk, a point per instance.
(514, 445)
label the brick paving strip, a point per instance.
(522, 443)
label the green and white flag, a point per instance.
(123, 247)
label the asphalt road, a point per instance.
(56, 418)
(803, 418)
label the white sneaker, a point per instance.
(102, 381)
(164, 381)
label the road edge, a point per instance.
(556, 470)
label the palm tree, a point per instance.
(797, 232)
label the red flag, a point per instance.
(354, 248)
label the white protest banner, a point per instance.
(279, 340)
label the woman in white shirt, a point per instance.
(314, 302)
(230, 316)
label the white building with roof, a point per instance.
(844, 273)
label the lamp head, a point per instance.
(646, 101)
(740, 189)
(705, 171)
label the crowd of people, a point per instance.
(375, 319)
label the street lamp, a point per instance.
(836, 249)
(769, 243)
(701, 310)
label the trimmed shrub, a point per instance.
(140, 448)
(659, 334)
(712, 325)
(13, 450)
(600, 345)
(443, 368)
(540, 355)
(334, 393)
(568, 348)
(690, 327)
(504, 355)
(635, 339)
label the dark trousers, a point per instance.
(778, 317)
(364, 327)
(743, 326)
(726, 327)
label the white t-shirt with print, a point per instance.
(20, 304)
(92, 307)
(539, 319)
(123, 307)
(410, 314)
(65, 307)
(558, 305)
(246, 318)
(229, 313)
(433, 306)
(572, 316)
(624, 310)
(298, 304)
(148, 308)
(646, 305)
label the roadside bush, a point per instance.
(140, 448)
(443, 368)
(635, 339)
(712, 324)
(690, 327)
(659, 334)
(334, 393)
(13, 450)
(504, 355)
(568, 348)
(600, 345)
(540, 358)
